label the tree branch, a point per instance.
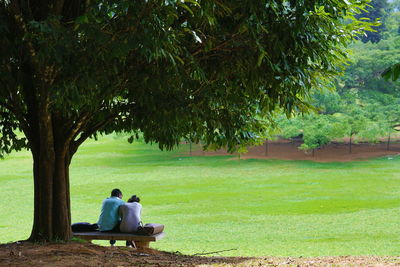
(77, 127)
(218, 47)
(90, 131)
(29, 46)
(58, 7)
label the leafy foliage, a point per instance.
(393, 72)
(376, 11)
(367, 64)
(320, 130)
(358, 115)
(169, 69)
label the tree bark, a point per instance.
(51, 160)
(52, 215)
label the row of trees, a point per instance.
(352, 123)
(364, 106)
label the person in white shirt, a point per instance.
(130, 214)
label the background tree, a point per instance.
(167, 69)
(387, 116)
(290, 128)
(392, 21)
(368, 61)
(354, 122)
(327, 102)
(376, 11)
(320, 130)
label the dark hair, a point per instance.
(116, 192)
(134, 198)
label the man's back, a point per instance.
(109, 217)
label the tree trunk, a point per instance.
(52, 214)
(51, 160)
(388, 142)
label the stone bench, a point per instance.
(140, 241)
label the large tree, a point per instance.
(166, 68)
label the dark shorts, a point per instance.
(114, 230)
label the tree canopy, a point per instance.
(168, 69)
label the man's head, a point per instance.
(116, 193)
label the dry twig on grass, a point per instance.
(213, 252)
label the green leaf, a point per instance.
(260, 58)
(194, 2)
(186, 7)
(392, 72)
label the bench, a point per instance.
(139, 241)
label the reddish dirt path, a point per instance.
(333, 152)
(84, 254)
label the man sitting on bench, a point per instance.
(109, 218)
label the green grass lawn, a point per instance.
(257, 207)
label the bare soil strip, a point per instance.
(85, 254)
(334, 152)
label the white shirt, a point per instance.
(130, 213)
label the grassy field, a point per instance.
(250, 207)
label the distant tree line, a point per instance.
(364, 106)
